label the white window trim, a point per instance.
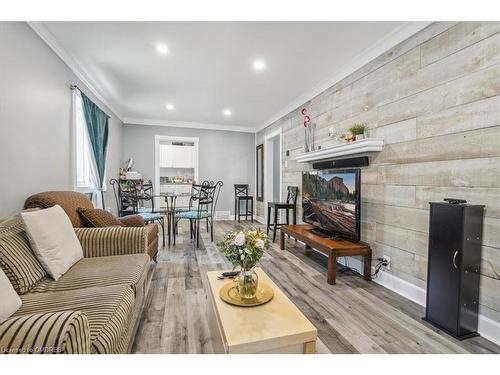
(82, 188)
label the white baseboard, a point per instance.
(260, 219)
(222, 215)
(488, 328)
(228, 215)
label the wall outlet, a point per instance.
(388, 260)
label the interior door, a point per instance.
(444, 265)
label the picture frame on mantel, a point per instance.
(259, 163)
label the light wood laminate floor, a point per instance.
(353, 316)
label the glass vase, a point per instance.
(309, 138)
(247, 283)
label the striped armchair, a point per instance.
(70, 201)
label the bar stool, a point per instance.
(290, 204)
(241, 194)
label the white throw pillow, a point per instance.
(9, 300)
(53, 239)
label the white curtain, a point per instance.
(94, 177)
(96, 193)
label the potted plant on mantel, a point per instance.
(357, 131)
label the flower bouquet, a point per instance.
(244, 249)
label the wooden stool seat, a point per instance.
(280, 205)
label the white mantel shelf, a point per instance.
(363, 147)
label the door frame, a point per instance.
(162, 138)
(268, 160)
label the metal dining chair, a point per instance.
(206, 200)
(143, 192)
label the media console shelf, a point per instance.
(332, 248)
(363, 147)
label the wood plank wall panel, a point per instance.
(435, 99)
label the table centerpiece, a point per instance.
(244, 249)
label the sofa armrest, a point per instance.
(132, 221)
(65, 332)
(100, 242)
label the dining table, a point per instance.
(171, 201)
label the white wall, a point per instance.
(35, 120)
(223, 155)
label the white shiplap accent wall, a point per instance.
(435, 100)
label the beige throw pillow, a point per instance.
(53, 239)
(9, 300)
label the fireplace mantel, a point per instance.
(363, 147)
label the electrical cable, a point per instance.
(346, 270)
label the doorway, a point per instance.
(176, 166)
(272, 168)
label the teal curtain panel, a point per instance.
(97, 125)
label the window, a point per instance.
(83, 159)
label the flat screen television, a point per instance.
(331, 201)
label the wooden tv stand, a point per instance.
(332, 248)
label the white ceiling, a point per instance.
(209, 65)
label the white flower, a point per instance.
(240, 239)
(259, 243)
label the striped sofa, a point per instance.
(92, 308)
(71, 201)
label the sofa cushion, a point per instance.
(98, 218)
(53, 239)
(10, 301)
(152, 235)
(109, 311)
(68, 200)
(100, 271)
(132, 221)
(17, 259)
(50, 333)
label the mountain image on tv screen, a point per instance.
(329, 201)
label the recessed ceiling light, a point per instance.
(170, 106)
(227, 112)
(161, 48)
(259, 65)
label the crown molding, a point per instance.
(382, 45)
(390, 40)
(46, 35)
(187, 124)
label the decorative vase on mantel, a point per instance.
(308, 132)
(309, 137)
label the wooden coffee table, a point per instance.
(330, 247)
(275, 327)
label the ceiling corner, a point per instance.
(46, 35)
(384, 44)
